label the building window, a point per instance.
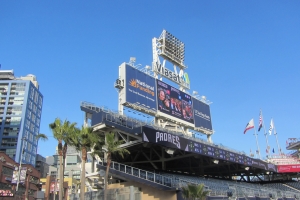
(11, 131)
(15, 120)
(34, 108)
(30, 136)
(29, 147)
(16, 101)
(17, 110)
(40, 102)
(35, 140)
(33, 118)
(34, 150)
(31, 93)
(32, 127)
(30, 105)
(26, 134)
(27, 124)
(36, 97)
(11, 152)
(37, 122)
(28, 157)
(9, 142)
(29, 114)
(39, 113)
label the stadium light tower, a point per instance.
(170, 49)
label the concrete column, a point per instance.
(131, 195)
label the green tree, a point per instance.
(193, 192)
(84, 140)
(41, 136)
(97, 150)
(112, 147)
(62, 132)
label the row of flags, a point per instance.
(267, 151)
(250, 125)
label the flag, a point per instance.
(260, 121)
(267, 151)
(249, 126)
(273, 150)
(271, 127)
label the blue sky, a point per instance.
(242, 55)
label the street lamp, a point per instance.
(22, 144)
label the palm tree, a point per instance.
(193, 192)
(41, 136)
(62, 131)
(112, 147)
(97, 150)
(84, 139)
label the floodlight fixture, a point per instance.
(216, 161)
(247, 168)
(172, 49)
(148, 67)
(132, 59)
(170, 151)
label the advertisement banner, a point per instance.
(202, 114)
(174, 102)
(23, 174)
(288, 168)
(140, 88)
(15, 175)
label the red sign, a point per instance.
(54, 187)
(288, 168)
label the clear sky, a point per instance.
(242, 55)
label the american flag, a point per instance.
(260, 121)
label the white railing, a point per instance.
(142, 174)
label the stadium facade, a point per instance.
(20, 111)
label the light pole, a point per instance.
(22, 152)
(55, 183)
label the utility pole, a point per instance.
(22, 152)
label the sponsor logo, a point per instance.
(202, 115)
(167, 137)
(180, 79)
(142, 86)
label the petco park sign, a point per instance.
(181, 78)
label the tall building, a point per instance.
(41, 165)
(20, 116)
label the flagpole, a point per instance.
(257, 142)
(275, 133)
(266, 135)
